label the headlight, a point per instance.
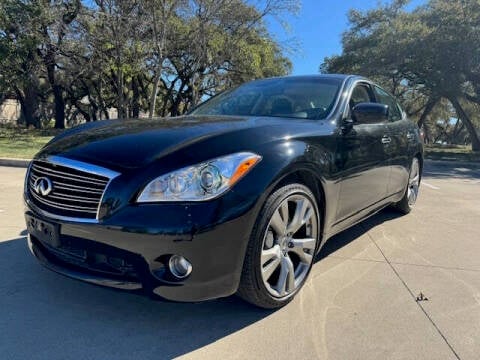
(200, 182)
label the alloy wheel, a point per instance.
(289, 245)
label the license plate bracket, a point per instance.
(44, 231)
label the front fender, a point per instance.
(292, 161)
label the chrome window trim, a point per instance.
(77, 165)
(349, 92)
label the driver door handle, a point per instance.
(386, 139)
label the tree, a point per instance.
(18, 56)
(116, 41)
(53, 22)
(432, 53)
(161, 14)
(77, 60)
(214, 50)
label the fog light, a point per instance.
(179, 266)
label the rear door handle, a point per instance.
(386, 139)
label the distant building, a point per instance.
(10, 111)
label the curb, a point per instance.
(452, 162)
(15, 162)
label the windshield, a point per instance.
(301, 98)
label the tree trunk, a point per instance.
(59, 107)
(195, 94)
(428, 109)
(29, 106)
(84, 113)
(153, 96)
(474, 138)
(426, 134)
(453, 132)
(120, 99)
(94, 109)
(49, 61)
(457, 134)
(175, 107)
(168, 98)
(135, 98)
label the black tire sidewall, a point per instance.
(403, 205)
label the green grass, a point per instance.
(451, 152)
(21, 143)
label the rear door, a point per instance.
(397, 149)
(362, 160)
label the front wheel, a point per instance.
(281, 248)
(411, 193)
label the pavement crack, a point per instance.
(355, 259)
(435, 266)
(405, 264)
(419, 304)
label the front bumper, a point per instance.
(130, 250)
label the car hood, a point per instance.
(137, 142)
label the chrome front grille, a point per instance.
(66, 188)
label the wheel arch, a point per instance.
(314, 182)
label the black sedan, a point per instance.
(236, 197)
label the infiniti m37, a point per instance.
(238, 196)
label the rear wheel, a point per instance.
(411, 193)
(281, 248)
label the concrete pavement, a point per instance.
(359, 302)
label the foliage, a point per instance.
(424, 57)
(75, 60)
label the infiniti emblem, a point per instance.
(42, 186)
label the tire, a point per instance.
(409, 199)
(280, 253)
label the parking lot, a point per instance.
(362, 300)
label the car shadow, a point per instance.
(44, 315)
(47, 316)
(347, 236)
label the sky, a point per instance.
(317, 30)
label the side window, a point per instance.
(394, 112)
(360, 94)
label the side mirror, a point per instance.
(370, 113)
